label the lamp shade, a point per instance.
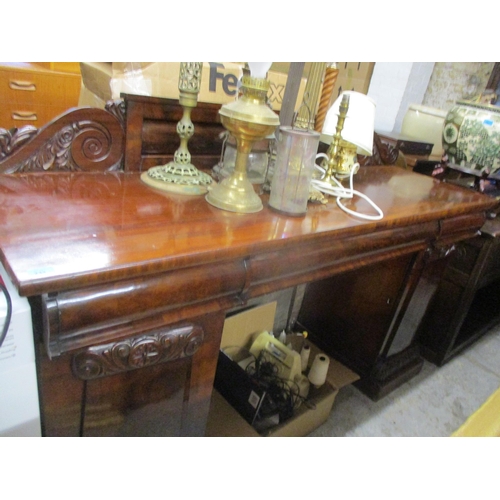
(359, 123)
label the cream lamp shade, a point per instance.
(359, 123)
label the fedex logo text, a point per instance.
(229, 81)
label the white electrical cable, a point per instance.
(8, 315)
(340, 192)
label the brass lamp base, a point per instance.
(344, 161)
(175, 178)
(235, 194)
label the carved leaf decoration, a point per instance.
(11, 140)
(55, 154)
(82, 139)
(117, 109)
(383, 154)
(137, 352)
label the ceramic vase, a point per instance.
(471, 138)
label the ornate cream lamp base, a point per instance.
(175, 178)
(235, 194)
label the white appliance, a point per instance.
(19, 403)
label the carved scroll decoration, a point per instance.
(383, 154)
(149, 349)
(11, 140)
(117, 109)
(82, 139)
(90, 138)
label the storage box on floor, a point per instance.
(102, 82)
(240, 330)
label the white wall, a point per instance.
(416, 88)
(393, 87)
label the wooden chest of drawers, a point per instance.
(32, 94)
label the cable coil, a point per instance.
(341, 192)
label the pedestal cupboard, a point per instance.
(130, 286)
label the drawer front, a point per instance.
(28, 86)
(20, 115)
(35, 98)
(17, 117)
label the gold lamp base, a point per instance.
(345, 160)
(235, 194)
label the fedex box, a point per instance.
(104, 81)
(352, 76)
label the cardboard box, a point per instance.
(238, 333)
(225, 421)
(352, 76)
(219, 82)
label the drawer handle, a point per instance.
(22, 85)
(24, 115)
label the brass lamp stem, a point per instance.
(185, 131)
(180, 175)
(334, 152)
(189, 87)
(244, 147)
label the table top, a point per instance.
(66, 230)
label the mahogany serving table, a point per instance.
(129, 286)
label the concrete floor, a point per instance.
(433, 404)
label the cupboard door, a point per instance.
(146, 402)
(156, 383)
(350, 315)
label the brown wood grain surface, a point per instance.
(116, 271)
(67, 230)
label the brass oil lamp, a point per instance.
(249, 119)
